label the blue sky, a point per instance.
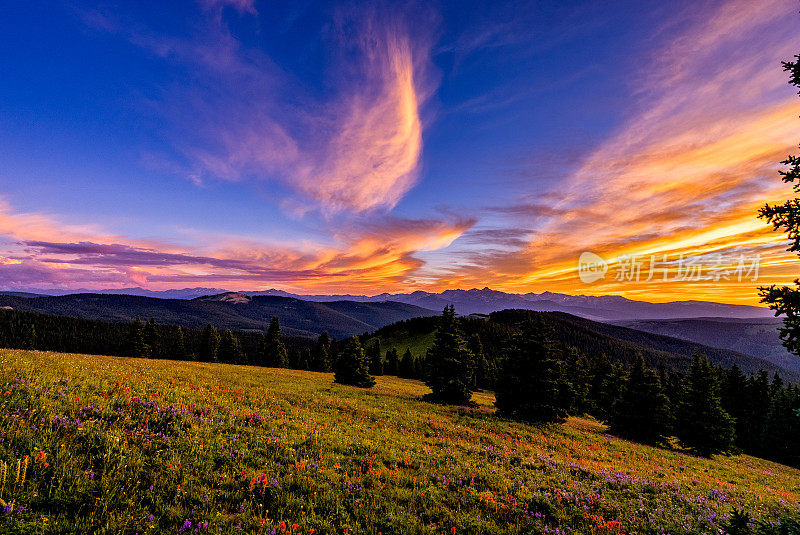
(373, 146)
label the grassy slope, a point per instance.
(417, 343)
(332, 457)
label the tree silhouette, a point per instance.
(528, 386)
(136, 344)
(785, 300)
(273, 352)
(703, 424)
(407, 370)
(642, 412)
(352, 367)
(449, 362)
(230, 348)
(209, 344)
(375, 359)
(151, 338)
(321, 354)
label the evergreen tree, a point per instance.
(136, 344)
(352, 367)
(758, 403)
(273, 352)
(785, 300)
(374, 357)
(209, 344)
(580, 370)
(527, 388)
(641, 413)
(449, 362)
(407, 366)
(293, 358)
(321, 354)
(485, 372)
(29, 336)
(734, 401)
(230, 348)
(601, 396)
(782, 428)
(392, 366)
(334, 352)
(151, 338)
(179, 347)
(703, 424)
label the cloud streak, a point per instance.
(684, 175)
(356, 148)
(376, 254)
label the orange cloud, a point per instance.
(372, 160)
(686, 173)
(36, 252)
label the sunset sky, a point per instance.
(365, 147)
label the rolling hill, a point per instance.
(756, 337)
(121, 445)
(226, 311)
(591, 337)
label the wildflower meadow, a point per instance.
(118, 445)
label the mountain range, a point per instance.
(229, 310)
(716, 326)
(483, 301)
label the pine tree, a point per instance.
(230, 348)
(641, 413)
(151, 338)
(449, 362)
(29, 336)
(352, 367)
(757, 407)
(601, 395)
(273, 352)
(209, 344)
(392, 366)
(179, 347)
(334, 352)
(485, 373)
(580, 370)
(374, 357)
(734, 401)
(321, 354)
(406, 365)
(527, 388)
(703, 425)
(782, 428)
(136, 344)
(785, 300)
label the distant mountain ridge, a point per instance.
(228, 310)
(758, 337)
(486, 301)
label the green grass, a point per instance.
(400, 341)
(238, 447)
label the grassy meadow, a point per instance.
(116, 445)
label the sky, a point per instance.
(369, 147)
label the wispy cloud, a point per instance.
(685, 173)
(356, 148)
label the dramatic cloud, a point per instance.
(357, 148)
(364, 257)
(687, 172)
